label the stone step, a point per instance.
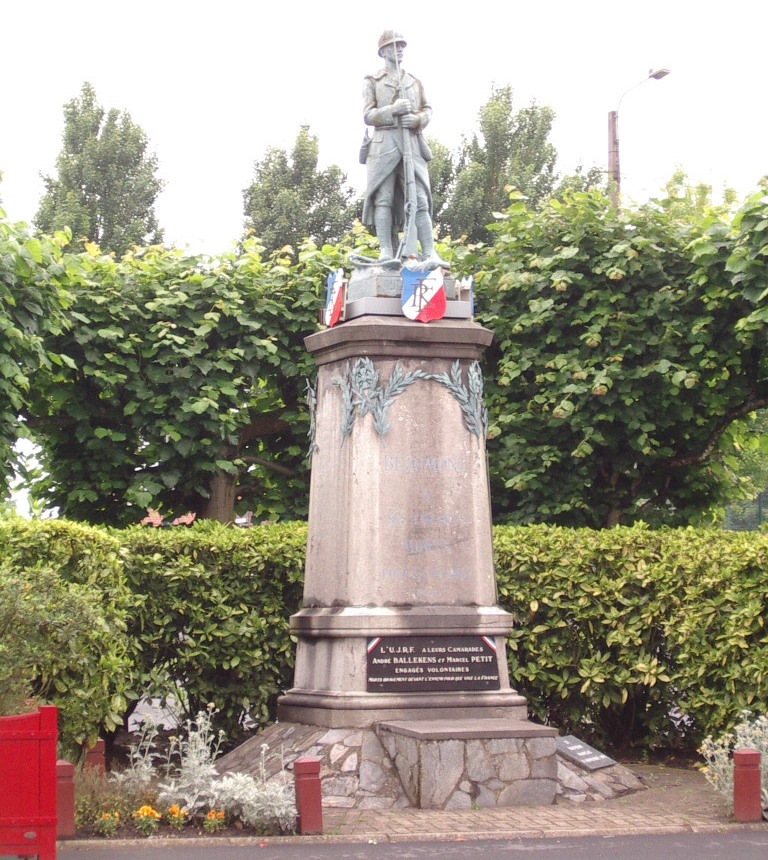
(457, 764)
(462, 729)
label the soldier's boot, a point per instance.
(383, 224)
(430, 257)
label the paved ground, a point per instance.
(677, 801)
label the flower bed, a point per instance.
(180, 792)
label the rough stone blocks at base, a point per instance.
(358, 772)
(461, 772)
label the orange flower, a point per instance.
(146, 811)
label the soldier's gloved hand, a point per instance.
(410, 120)
(401, 107)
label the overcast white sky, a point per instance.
(214, 84)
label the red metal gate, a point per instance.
(28, 784)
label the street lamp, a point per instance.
(614, 171)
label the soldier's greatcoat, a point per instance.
(385, 153)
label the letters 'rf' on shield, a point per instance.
(423, 297)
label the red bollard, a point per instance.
(95, 757)
(747, 803)
(306, 772)
(65, 799)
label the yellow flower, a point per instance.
(147, 812)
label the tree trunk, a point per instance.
(221, 505)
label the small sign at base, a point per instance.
(572, 749)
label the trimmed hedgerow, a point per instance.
(589, 647)
(212, 624)
(716, 585)
(629, 637)
(636, 638)
(63, 610)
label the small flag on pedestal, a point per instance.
(423, 295)
(334, 298)
(467, 292)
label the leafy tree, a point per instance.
(106, 184)
(684, 200)
(290, 200)
(33, 301)
(511, 150)
(750, 465)
(582, 180)
(182, 391)
(442, 172)
(624, 352)
(185, 385)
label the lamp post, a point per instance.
(614, 169)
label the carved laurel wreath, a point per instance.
(469, 397)
(362, 394)
(311, 401)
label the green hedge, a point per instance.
(212, 619)
(636, 638)
(63, 609)
(629, 638)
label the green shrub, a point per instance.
(63, 607)
(634, 638)
(588, 645)
(716, 585)
(212, 619)
(630, 638)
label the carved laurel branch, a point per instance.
(469, 398)
(362, 394)
(311, 401)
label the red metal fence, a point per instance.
(28, 784)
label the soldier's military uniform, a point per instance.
(386, 180)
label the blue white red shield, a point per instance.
(423, 295)
(334, 297)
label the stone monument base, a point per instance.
(453, 764)
(433, 764)
(380, 281)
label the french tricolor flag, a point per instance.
(334, 297)
(423, 295)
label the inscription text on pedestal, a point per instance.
(422, 664)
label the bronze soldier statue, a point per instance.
(398, 196)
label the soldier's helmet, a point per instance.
(390, 37)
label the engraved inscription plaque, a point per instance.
(417, 664)
(583, 754)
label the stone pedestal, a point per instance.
(378, 281)
(458, 764)
(455, 764)
(401, 689)
(399, 618)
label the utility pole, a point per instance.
(614, 167)
(614, 164)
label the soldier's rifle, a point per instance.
(409, 243)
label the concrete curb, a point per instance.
(399, 838)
